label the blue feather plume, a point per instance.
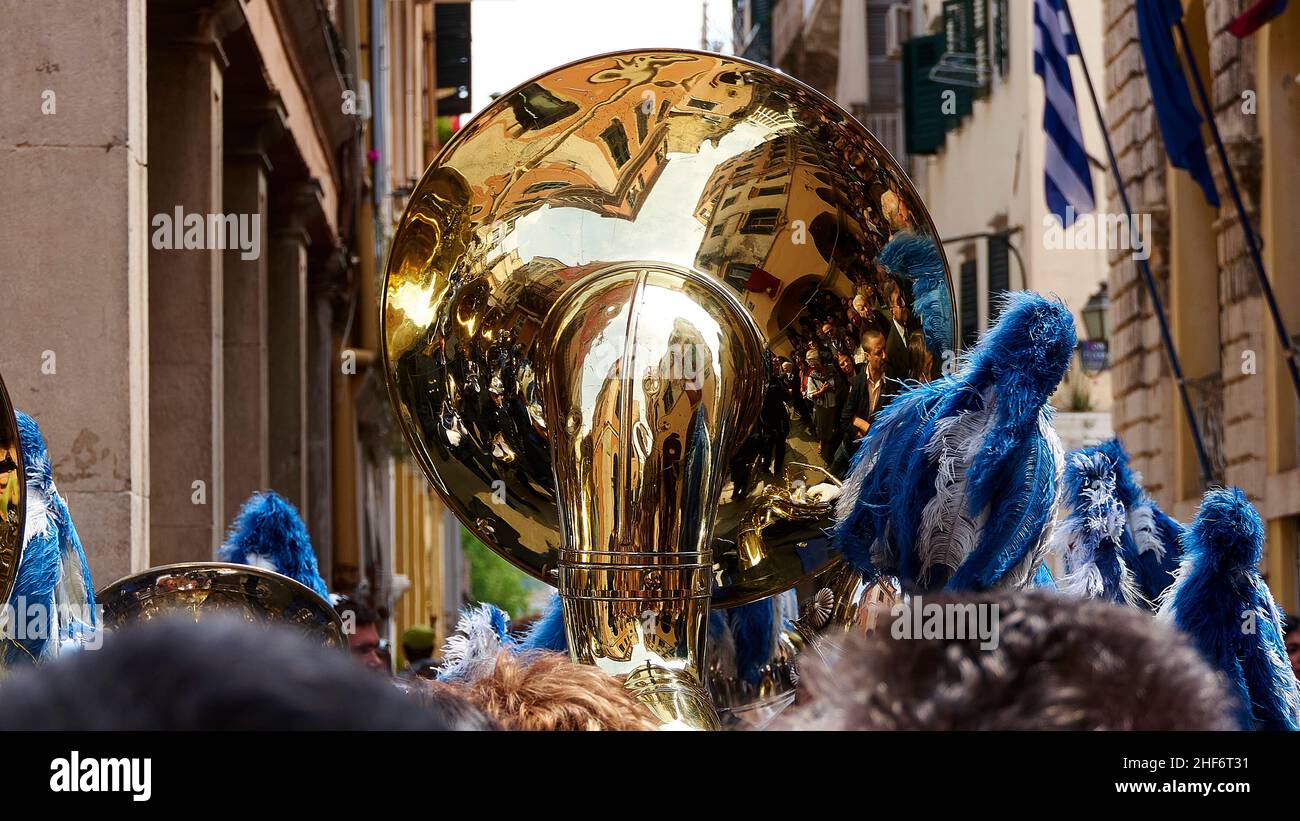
(1151, 540)
(1090, 536)
(1043, 578)
(957, 480)
(53, 573)
(268, 532)
(547, 633)
(751, 625)
(1220, 601)
(917, 259)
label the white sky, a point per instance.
(515, 40)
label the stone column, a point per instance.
(287, 361)
(74, 272)
(185, 291)
(322, 361)
(247, 404)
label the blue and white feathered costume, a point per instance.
(53, 574)
(957, 481)
(1151, 538)
(1220, 601)
(916, 259)
(269, 533)
(1089, 538)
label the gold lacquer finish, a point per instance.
(697, 161)
(202, 589)
(647, 375)
(13, 496)
(594, 310)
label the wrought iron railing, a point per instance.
(1206, 394)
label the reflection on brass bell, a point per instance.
(620, 271)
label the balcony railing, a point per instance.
(1206, 394)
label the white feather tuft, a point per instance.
(40, 515)
(1142, 524)
(948, 532)
(1128, 587)
(1165, 601)
(1084, 582)
(1022, 575)
(471, 653)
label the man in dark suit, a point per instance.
(896, 318)
(870, 392)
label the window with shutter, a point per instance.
(999, 274)
(923, 114)
(970, 308)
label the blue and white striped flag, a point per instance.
(1068, 178)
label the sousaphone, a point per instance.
(591, 291)
(13, 496)
(201, 590)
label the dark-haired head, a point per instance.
(1057, 664)
(217, 674)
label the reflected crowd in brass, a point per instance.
(599, 292)
(13, 496)
(202, 590)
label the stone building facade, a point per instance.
(1233, 363)
(175, 373)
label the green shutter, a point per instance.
(922, 97)
(999, 274)
(968, 275)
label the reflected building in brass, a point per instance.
(602, 310)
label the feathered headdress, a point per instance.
(1219, 600)
(957, 480)
(917, 259)
(269, 533)
(53, 574)
(482, 632)
(1150, 542)
(1089, 537)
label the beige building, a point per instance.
(1244, 401)
(847, 49)
(979, 168)
(988, 176)
(197, 200)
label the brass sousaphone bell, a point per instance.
(595, 306)
(13, 496)
(201, 590)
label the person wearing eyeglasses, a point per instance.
(361, 624)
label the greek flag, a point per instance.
(1067, 176)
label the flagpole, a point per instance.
(1207, 475)
(1252, 241)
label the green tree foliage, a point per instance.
(493, 579)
